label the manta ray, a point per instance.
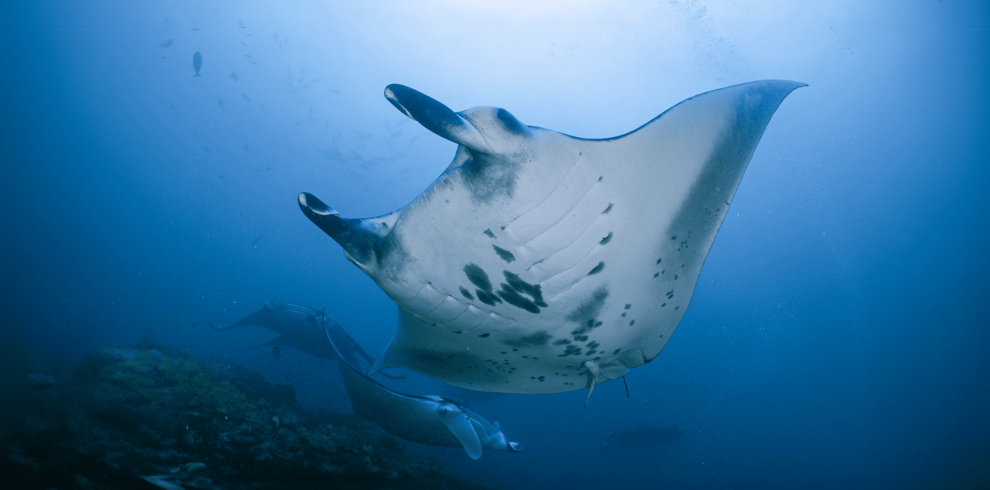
(540, 262)
(430, 420)
(304, 328)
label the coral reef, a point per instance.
(149, 417)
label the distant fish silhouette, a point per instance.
(220, 103)
(197, 63)
(167, 43)
(245, 96)
(233, 76)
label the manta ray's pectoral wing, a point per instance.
(460, 425)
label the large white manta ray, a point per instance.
(539, 262)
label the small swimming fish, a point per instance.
(167, 43)
(233, 76)
(197, 62)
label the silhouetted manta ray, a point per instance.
(430, 420)
(303, 328)
(539, 262)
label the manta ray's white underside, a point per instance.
(541, 263)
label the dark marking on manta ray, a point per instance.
(581, 338)
(510, 122)
(488, 299)
(656, 275)
(520, 286)
(488, 231)
(593, 344)
(673, 238)
(617, 350)
(609, 208)
(466, 293)
(628, 305)
(631, 323)
(623, 315)
(598, 268)
(537, 339)
(490, 176)
(562, 342)
(485, 335)
(504, 254)
(478, 277)
(513, 298)
(607, 239)
(658, 260)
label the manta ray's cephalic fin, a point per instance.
(360, 238)
(436, 117)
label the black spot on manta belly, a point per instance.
(488, 299)
(536, 339)
(488, 231)
(523, 287)
(467, 294)
(598, 268)
(504, 254)
(513, 298)
(478, 277)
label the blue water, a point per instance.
(839, 334)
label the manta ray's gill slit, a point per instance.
(566, 195)
(424, 301)
(557, 262)
(568, 227)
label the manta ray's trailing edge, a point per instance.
(541, 263)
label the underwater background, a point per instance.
(839, 335)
